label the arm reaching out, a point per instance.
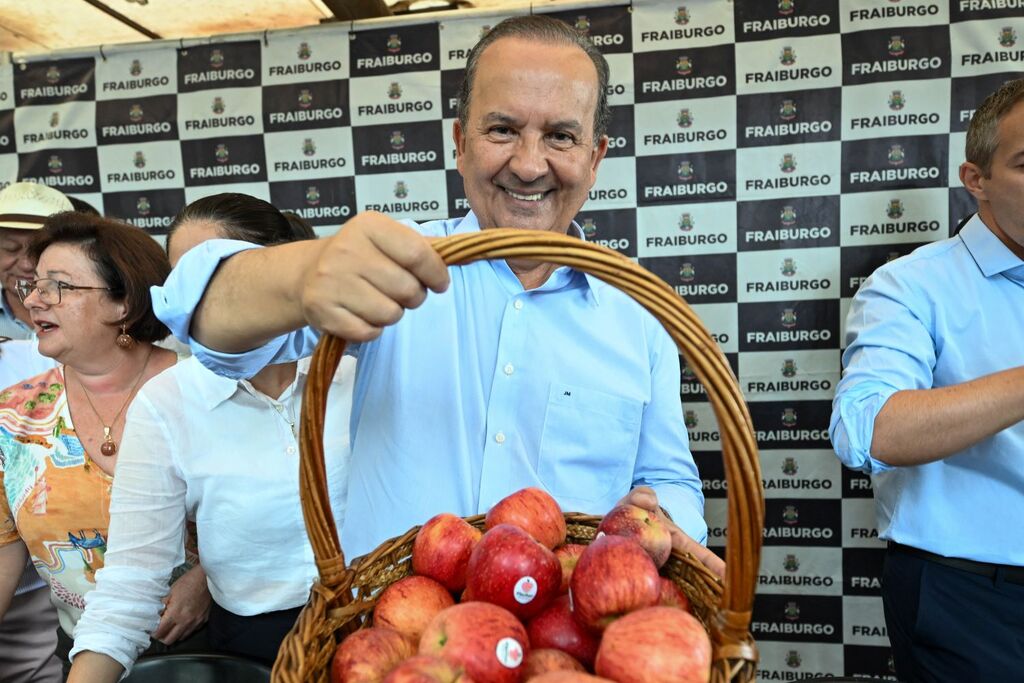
(351, 285)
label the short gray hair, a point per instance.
(983, 132)
(542, 29)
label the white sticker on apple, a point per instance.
(525, 590)
(509, 653)
(599, 535)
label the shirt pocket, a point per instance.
(589, 441)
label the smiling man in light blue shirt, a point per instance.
(521, 373)
(931, 405)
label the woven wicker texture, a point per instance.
(344, 598)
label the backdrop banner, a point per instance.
(764, 158)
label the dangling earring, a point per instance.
(124, 340)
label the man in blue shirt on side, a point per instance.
(931, 405)
(521, 373)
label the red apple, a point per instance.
(613, 577)
(544, 660)
(426, 669)
(567, 677)
(655, 645)
(511, 570)
(672, 595)
(408, 605)
(369, 654)
(486, 641)
(556, 628)
(442, 548)
(568, 555)
(532, 510)
(643, 526)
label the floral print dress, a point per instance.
(56, 499)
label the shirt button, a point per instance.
(278, 407)
(509, 369)
(290, 450)
(518, 304)
(500, 437)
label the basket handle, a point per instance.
(739, 447)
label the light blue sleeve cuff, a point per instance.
(687, 509)
(176, 301)
(852, 427)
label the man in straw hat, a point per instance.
(931, 405)
(522, 374)
(23, 208)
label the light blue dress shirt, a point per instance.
(948, 313)
(488, 388)
(10, 326)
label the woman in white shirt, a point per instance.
(227, 457)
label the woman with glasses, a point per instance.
(230, 460)
(61, 431)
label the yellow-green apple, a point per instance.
(672, 595)
(655, 645)
(510, 569)
(409, 604)
(484, 640)
(545, 659)
(369, 654)
(426, 669)
(568, 555)
(442, 548)
(532, 510)
(643, 526)
(556, 628)
(613, 577)
(567, 677)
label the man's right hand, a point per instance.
(367, 275)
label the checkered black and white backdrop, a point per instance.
(765, 157)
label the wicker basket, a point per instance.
(343, 600)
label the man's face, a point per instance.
(1001, 194)
(1003, 190)
(14, 262)
(528, 155)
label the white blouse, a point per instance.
(226, 455)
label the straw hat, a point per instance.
(26, 205)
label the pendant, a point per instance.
(108, 447)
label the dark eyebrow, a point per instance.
(498, 117)
(569, 124)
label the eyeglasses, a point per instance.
(49, 289)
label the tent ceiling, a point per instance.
(36, 26)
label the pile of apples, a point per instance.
(532, 608)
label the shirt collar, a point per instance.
(992, 256)
(214, 389)
(562, 276)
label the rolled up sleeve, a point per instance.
(175, 302)
(891, 348)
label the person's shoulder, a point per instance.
(921, 267)
(171, 385)
(20, 358)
